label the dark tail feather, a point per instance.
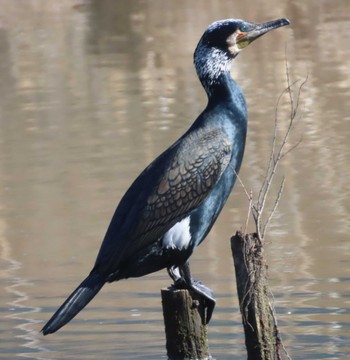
(81, 296)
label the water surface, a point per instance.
(90, 93)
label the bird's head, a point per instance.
(223, 40)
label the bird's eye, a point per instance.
(243, 28)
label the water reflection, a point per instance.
(17, 314)
(91, 91)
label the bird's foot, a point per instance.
(208, 296)
(179, 284)
(203, 291)
(183, 280)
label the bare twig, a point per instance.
(249, 210)
(249, 197)
(278, 152)
(274, 208)
(241, 182)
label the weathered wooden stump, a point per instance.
(185, 328)
(261, 332)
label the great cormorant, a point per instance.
(172, 205)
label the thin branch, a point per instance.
(252, 207)
(249, 210)
(241, 182)
(292, 112)
(276, 156)
(303, 83)
(273, 160)
(273, 146)
(292, 148)
(272, 213)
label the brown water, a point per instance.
(90, 93)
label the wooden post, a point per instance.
(261, 333)
(185, 329)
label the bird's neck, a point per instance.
(212, 66)
(224, 91)
(213, 69)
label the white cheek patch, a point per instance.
(234, 49)
(179, 236)
(232, 45)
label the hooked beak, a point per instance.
(257, 30)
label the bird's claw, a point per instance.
(208, 297)
(206, 294)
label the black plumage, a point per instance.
(172, 205)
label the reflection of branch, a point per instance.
(278, 152)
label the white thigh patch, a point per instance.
(179, 236)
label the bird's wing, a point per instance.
(190, 176)
(164, 193)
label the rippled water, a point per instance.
(90, 93)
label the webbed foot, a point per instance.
(183, 280)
